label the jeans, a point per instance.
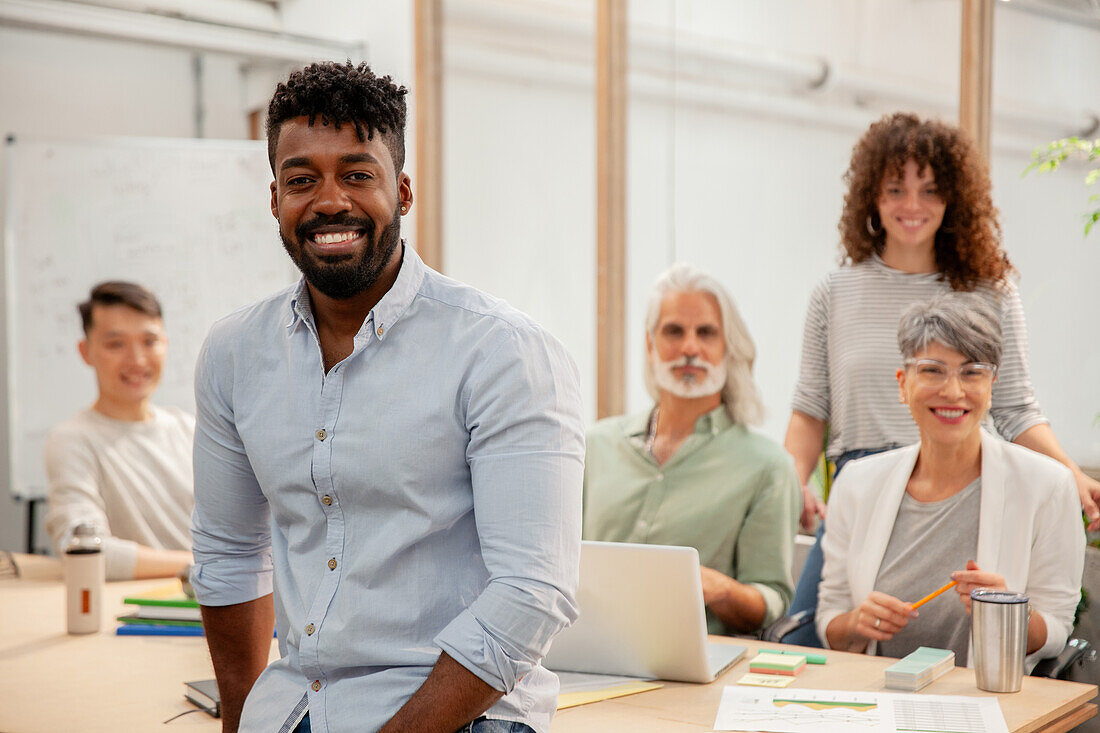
(805, 593)
(481, 725)
(487, 725)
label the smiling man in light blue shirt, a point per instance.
(393, 455)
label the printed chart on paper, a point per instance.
(839, 711)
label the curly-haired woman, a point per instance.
(918, 220)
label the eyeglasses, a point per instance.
(933, 373)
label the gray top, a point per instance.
(931, 540)
(850, 354)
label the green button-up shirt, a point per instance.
(730, 493)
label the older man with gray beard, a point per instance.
(688, 471)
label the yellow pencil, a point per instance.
(935, 593)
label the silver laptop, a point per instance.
(641, 615)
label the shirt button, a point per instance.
(660, 477)
(310, 628)
(326, 500)
(380, 330)
(316, 685)
(332, 563)
(321, 434)
(643, 525)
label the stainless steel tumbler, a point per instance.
(999, 638)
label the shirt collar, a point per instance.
(712, 422)
(386, 312)
(301, 310)
(876, 262)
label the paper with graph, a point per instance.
(840, 711)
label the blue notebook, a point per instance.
(157, 630)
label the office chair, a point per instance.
(1076, 651)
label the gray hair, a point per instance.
(965, 322)
(739, 395)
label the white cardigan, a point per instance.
(1029, 531)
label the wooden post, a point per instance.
(611, 58)
(976, 77)
(428, 185)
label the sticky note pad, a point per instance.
(785, 664)
(919, 668)
(765, 680)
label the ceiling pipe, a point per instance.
(88, 20)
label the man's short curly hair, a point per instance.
(341, 94)
(968, 243)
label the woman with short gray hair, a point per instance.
(961, 321)
(960, 505)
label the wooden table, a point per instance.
(50, 681)
(1044, 705)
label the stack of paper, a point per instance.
(785, 664)
(836, 711)
(581, 688)
(919, 668)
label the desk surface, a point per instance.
(51, 681)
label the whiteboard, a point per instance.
(189, 219)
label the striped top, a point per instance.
(850, 355)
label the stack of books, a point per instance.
(919, 668)
(165, 611)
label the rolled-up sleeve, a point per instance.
(1014, 408)
(811, 392)
(526, 455)
(765, 542)
(230, 525)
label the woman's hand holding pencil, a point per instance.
(974, 577)
(881, 616)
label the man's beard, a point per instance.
(345, 275)
(689, 386)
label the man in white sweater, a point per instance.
(123, 465)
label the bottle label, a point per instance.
(85, 601)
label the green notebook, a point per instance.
(137, 618)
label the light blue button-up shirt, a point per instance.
(424, 495)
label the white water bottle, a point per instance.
(84, 578)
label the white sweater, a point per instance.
(132, 480)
